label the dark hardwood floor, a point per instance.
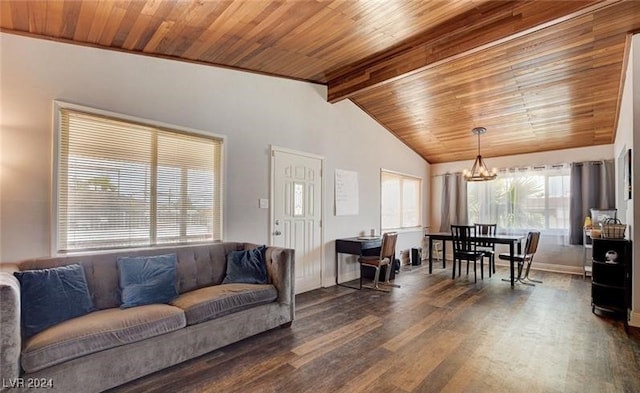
(432, 335)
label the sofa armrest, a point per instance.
(280, 268)
(10, 334)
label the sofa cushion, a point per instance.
(246, 266)
(98, 331)
(218, 300)
(51, 296)
(147, 279)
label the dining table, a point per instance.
(514, 242)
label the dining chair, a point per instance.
(464, 248)
(386, 257)
(488, 248)
(530, 248)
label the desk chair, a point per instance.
(530, 248)
(387, 253)
(488, 248)
(465, 249)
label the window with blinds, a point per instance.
(400, 200)
(123, 183)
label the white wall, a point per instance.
(253, 111)
(627, 138)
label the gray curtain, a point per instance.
(454, 201)
(592, 186)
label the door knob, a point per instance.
(277, 233)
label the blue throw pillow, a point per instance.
(247, 266)
(51, 296)
(147, 280)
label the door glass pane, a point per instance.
(298, 199)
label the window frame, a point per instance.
(547, 172)
(56, 181)
(402, 177)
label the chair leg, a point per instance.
(388, 275)
(376, 277)
(521, 279)
(376, 281)
(475, 274)
(492, 265)
(481, 268)
(526, 275)
(387, 281)
(518, 277)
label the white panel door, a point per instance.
(296, 205)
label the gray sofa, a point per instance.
(111, 346)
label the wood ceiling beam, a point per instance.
(488, 25)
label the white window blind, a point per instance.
(400, 200)
(127, 184)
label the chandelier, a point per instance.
(479, 171)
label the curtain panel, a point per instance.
(592, 186)
(454, 201)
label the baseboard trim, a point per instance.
(634, 319)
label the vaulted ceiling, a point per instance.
(539, 75)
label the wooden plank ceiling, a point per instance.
(539, 75)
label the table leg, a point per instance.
(511, 263)
(444, 254)
(337, 270)
(430, 254)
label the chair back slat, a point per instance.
(486, 230)
(462, 235)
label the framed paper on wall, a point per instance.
(346, 192)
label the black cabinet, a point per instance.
(611, 276)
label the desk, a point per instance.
(363, 246)
(511, 240)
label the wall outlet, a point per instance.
(263, 203)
